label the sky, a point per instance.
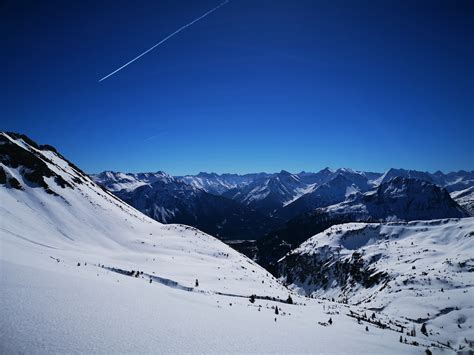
(258, 85)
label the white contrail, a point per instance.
(165, 39)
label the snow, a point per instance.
(300, 191)
(66, 283)
(74, 310)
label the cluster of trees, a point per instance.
(253, 297)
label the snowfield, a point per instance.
(81, 271)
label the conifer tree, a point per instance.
(424, 330)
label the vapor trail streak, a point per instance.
(165, 39)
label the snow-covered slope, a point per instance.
(455, 180)
(118, 181)
(465, 198)
(421, 270)
(80, 222)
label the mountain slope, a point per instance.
(58, 209)
(268, 194)
(465, 198)
(420, 269)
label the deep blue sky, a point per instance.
(259, 85)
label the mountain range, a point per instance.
(284, 195)
(273, 213)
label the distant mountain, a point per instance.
(269, 193)
(318, 178)
(117, 181)
(411, 174)
(169, 200)
(218, 184)
(453, 181)
(465, 198)
(400, 199)
(338, 186)
(456, 181)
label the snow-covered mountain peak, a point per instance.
(413, 174)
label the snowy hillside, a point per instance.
(77, 221)
(84, 272)
(422, 270)
(465, 198)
